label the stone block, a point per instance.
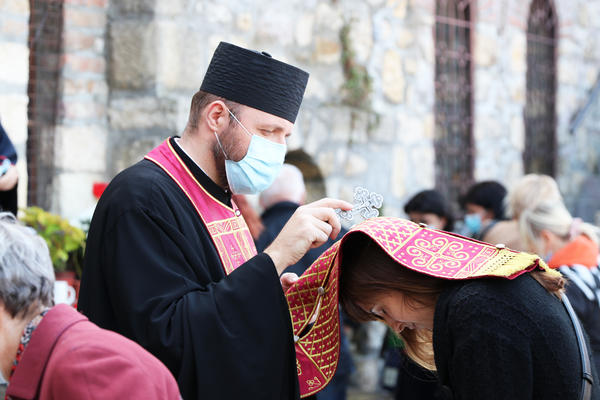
(411, 130)
(397, 177)
(361, 37)
(569, 72)
(126, 152)
(386, 131)
(219, 13)
(71, 109)
(244, 22)
(171, 7)
(143, 113)
(392, 77)
(518, 53)
(15, 29)
(426, 44)
(73, 194)
(376, 3)
(77, 41)
(74, 63)
(327, 51)
(304, 30)
(355, 165)
(517, 133)
(404, 38)
(19, 7)
(81, 148)
(15, 72)
(135, 7)
(328, 18)
(88, 3)
(315, 89)
(326, 162)
(95, 88)
(399, 8)
(275, 25)
(132, 55)
(77, 17)
(486, 47)
(181, 62)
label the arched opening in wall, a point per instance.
(453, 142)
(45, 45)
(313, 178)
(540, 114)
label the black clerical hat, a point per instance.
(256, 80)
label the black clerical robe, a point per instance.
(152, 273)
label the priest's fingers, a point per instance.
(287, 280)
(331, 203)
(322, 232)
(329, 216)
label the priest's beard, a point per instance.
(229, 148)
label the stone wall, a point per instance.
(158, 55)
(14, 17)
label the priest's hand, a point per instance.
(287, 280)
(310, 226)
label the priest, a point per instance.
(170, 262)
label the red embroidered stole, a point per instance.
(225, 225)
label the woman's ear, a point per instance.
(216, 116)
(546, 238)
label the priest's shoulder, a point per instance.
(141, 184)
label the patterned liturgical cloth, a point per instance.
(432, 252)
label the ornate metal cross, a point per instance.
(366, 203)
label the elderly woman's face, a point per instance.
(398, 313)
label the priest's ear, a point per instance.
(216, 116)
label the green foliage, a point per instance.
(358, 85)
(65, 242)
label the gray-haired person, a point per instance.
(53, 352)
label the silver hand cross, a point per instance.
(366, 203)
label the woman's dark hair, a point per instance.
(431, 201)
(489, 195)
(367, 271)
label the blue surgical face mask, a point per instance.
(259, 167)
(473, 223)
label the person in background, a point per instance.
(484, 207)
(8, 174)
(508, 231)
(566, 243)
(431, 208)
(52, 353)
(280, 201)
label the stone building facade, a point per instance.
(129, 68)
